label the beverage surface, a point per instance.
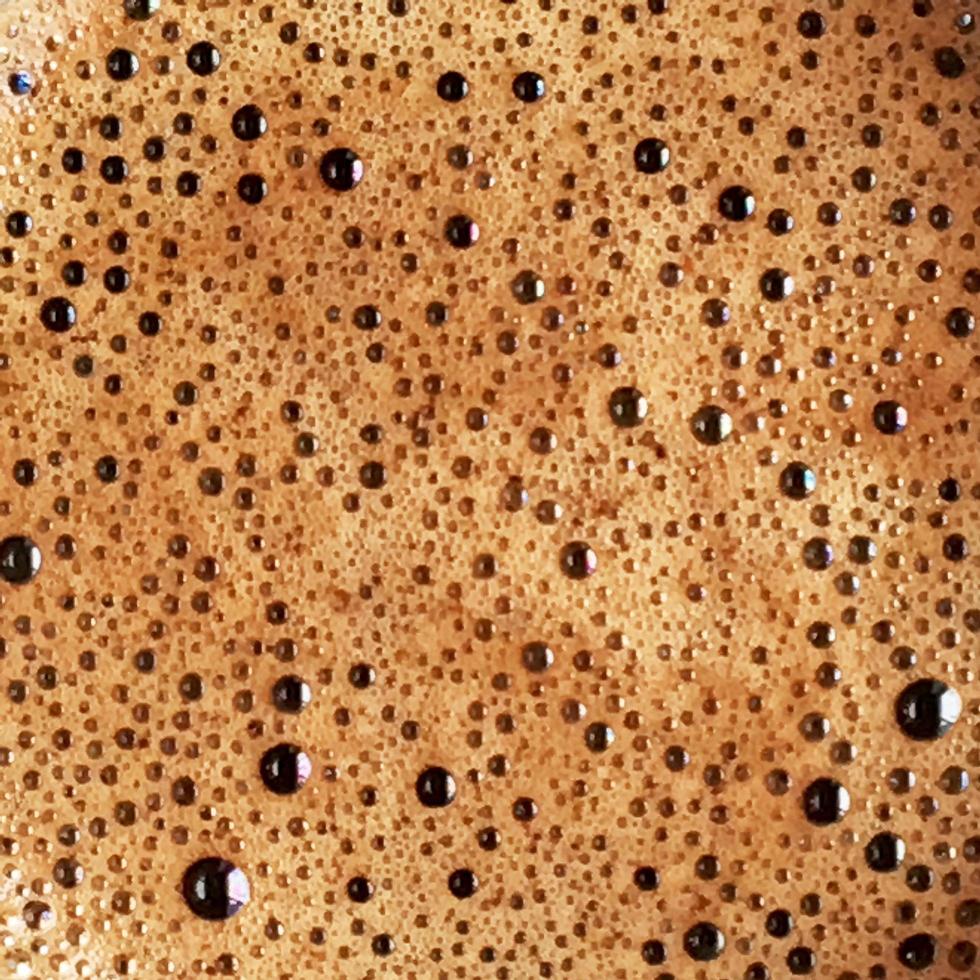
(489, 489)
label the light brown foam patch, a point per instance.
(647, 524)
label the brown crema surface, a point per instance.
(499, 477)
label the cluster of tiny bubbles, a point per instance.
(491, 489)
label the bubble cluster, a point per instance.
(492, 489)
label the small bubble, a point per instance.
(215, 889)
(528, 86)
(797, 481)
(918, 952)
(527, 287)
(461, 231)
(776, 285)
(203, 58)
(578, 560)
(341, 169)
(651, 156)
(884, 852)
(711, 425)
(452, 87)
(890, 418)
(927, 709)
(58, 314)
(20, 560)
(825, 802)
(121, 65)
(463, 883)
(704, 942)
(291, 694)
(20, 82)
(249, 123)
(285, 768)
(435, 787)
(627, 407)
(736, 203)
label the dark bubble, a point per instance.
(918, 951)
(73, 160)
(215, 889)
(435, 787)
(25, 472)
(291, 694)
(252, 188)
(704, 942)
(646, 878)
(527, 287)
(927, 709)
(654, 952)
(528, 86)
(711, 425)
(949, 490)
(955, 548)
(20, 559)
(818, 554)
(627, 407)
(452, 87)
(341, 169)
(58, 314)
(121, 65)
(20, 82)
(949, 62)
(890, 418)
(651, 156)
(524, 809)
(578, 560)
(141, 9)
(19, 224)
(825, 801)
(780, 221)
(960, 323)
(884, 852)
(902, 212)
(779, 923)
(360, 889)
(249, 123)
(203, 58)
(285, 768)
(537, 657)
(776, 285)
(462, 231)
(463, 883)
(797, 481)
(114, 169)
(801, 960)
(736, 203)
(599, 737)
(811, 24)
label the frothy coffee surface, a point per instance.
(489, 489)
